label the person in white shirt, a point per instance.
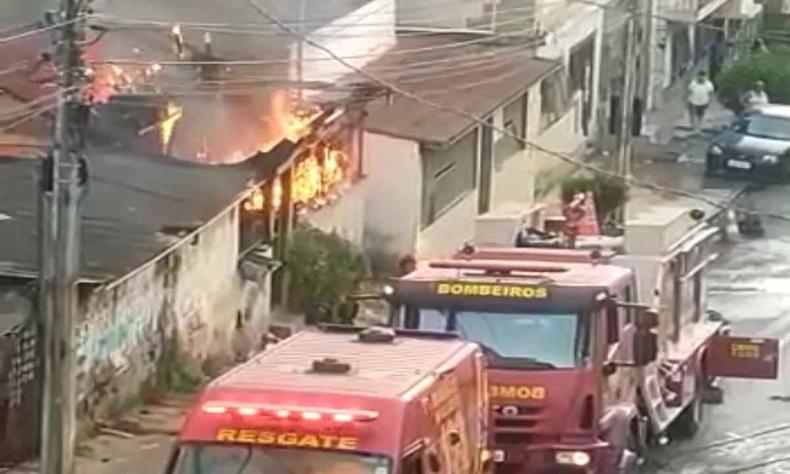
(700, 94)
(756, 96)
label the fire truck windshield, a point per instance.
(243, 459)
(526, 340)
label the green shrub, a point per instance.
(610, 194)
(324, 269)
(773, 68)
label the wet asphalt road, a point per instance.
(750, 286)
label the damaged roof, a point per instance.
(132, 197)
(470, 73)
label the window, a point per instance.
(448, 175)
(529, 340)
(516, 119)
(553, 99)
(412, 464)
(250, 459)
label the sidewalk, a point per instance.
(139, 442)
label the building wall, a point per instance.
(346, 215)
(359, 38)
(513, 181)
(437, 13)
(392, 202)
(450, 231)
(569, 25)
(187, 300)
(20, 13)
(563, 136)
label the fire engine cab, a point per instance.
(581, 374)
(343, 400)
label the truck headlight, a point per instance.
(572, 458)
(770, 159)
(715, 150)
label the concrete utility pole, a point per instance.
(61, 187)
(626, 111)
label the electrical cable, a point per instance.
(8, 39)
(329, 22)
(628, 180)
(254, 62)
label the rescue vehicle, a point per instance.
(585, 367)
(344, 400)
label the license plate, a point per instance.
(741, 165)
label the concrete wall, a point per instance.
(563, 136)
(392, 203)
(569, 25)
(513, 181)
(187, 300)
(438, 13)
(360, 37)
(15, 13)
(346, 216)
(450, 231)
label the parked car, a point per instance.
(756, 145)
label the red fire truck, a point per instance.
(344, 401)
(581, 376)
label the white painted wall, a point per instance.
(569, 25)
(194, 290)
(450, 231)
(360, 37)
(346, 215)
(438, 13)
(513, 180)
(393, 170)
(18, 13)
(564, 136)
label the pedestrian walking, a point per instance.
(755, 96)
(700, 95)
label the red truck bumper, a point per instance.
(581, 458)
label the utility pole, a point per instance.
(626, 110)
(61, 186)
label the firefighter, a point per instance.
(573, 212)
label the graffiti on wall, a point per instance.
(121, 332)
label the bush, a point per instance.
(773, 68)
(610, 194)
(324, 269)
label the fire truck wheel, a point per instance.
(689, 421)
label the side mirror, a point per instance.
(646, 319)
(645, 347)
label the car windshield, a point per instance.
(766, 126)
(243, 459)
(529, 340)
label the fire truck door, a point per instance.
(743, 357)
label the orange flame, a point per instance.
(173, 113)
(255, 202)
(313, 181)
(285, 122)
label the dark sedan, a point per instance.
(756, 145)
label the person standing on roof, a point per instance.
(700, 95)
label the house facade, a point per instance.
(430, 174)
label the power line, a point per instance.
(328, 22)
(454, 110)
(54, 26)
